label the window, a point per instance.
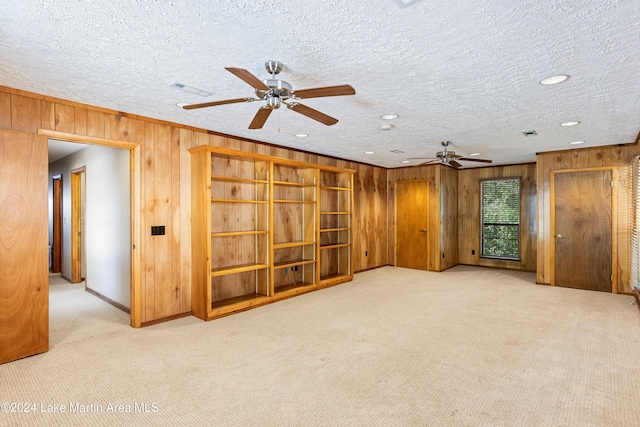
(500, 216)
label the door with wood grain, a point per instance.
(24, 276)
(583, 230)
(412, 213)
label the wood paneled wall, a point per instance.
(469, 215)
(166, 187)
(449, 237)
(442, 232)
(619, 157)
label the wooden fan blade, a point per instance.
(455, 164)
(325, 91)
(261, 116)
(473, 159)
(313, 114)
(248, 78)
(214, 103)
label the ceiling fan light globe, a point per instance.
(273, 102)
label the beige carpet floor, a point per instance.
(395, 347)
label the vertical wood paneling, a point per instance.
(95, 123)
(162, 216)
(147, 179)
(613, 156)
(116, 127)
(65, 118)
(5, 110)
(369, 217)
(188, 140)
(579, 159)
(549, 165)
(80, 125)
(164, 181)
(469, 232)
(174, 237)
(448, 218)
(595, 158)
(48, 115)
(25, 114)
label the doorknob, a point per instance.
(559, 236)
(423, 230)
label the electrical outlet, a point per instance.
(286, 270)
(157, 230)
(473, 251)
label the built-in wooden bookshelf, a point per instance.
(334, 230)
(265, 228)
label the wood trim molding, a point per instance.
(108, 300)
(597, 147)
(71, 137)
(135, 214)
(164, 319)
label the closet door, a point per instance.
(24, 287)
(412, 221)
(583, 230)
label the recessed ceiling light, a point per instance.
(474, 154)
(389, 116)
(554, 80)
(369, 152)
(406, 161)
(385, 127)
(182, 104)
(301, 135)
(565, 124)
(576, 142)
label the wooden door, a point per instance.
(77, 224)
(56, 244)
(582, 230)
(412, 213)
(24, 287)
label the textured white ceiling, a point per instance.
(453, 70)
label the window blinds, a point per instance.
(500, 218)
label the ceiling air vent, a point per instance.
(529, 133)
(191, 89)
(397, 152)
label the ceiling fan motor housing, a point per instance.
(279, 90)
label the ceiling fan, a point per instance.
(448, 158)
(277, 92)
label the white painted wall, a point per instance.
(108, 211)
